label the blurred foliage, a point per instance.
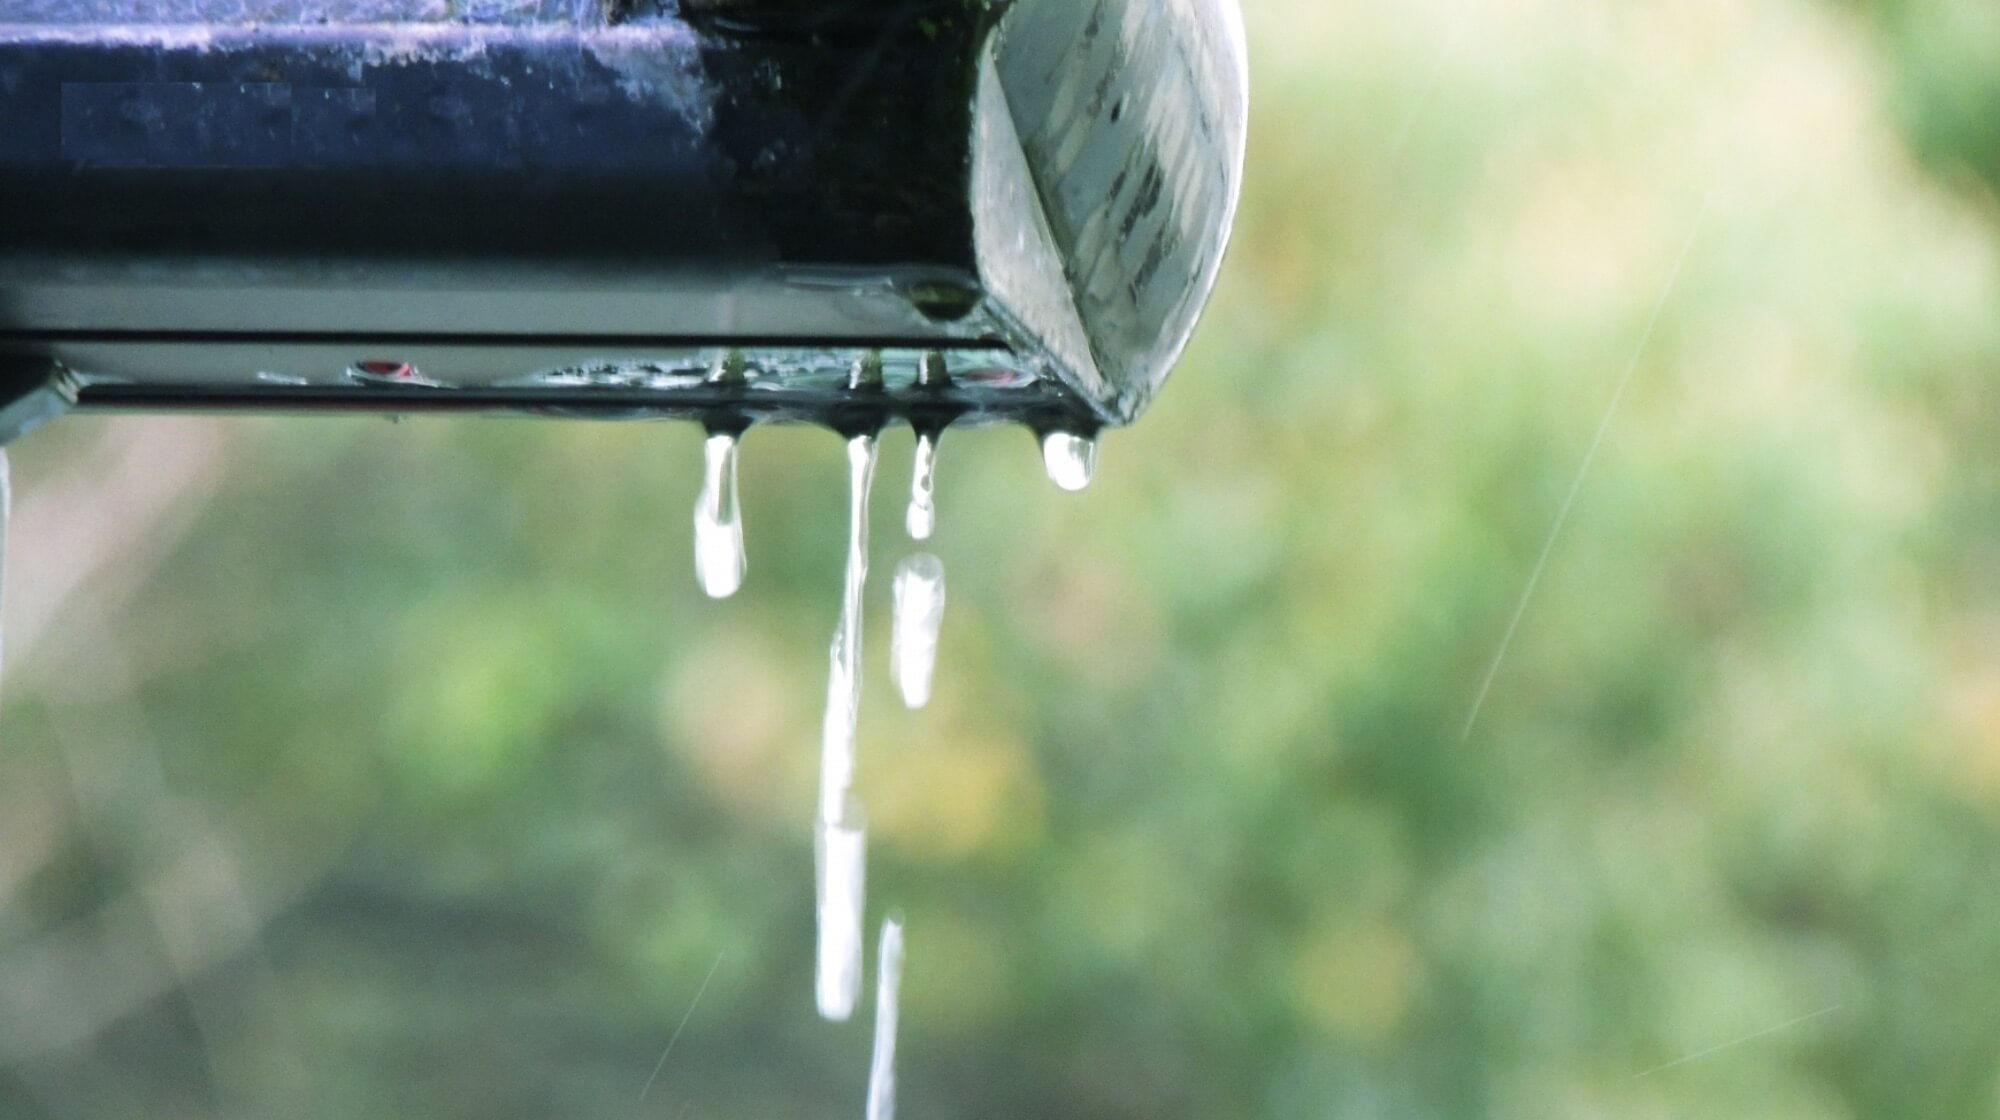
(360, 770)
(1946, 58)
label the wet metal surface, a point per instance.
(184, 176)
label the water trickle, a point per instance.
(719, 560)
(922, 518)
(1071, 459)
(840, 863)
(843, 690)
(888, 985)
(840, 843)
(913, 643)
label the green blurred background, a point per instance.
(360, 770)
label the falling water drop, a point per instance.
(888, 985)
(719, 561)
(840, 863)
(913, 642)
(922, 518)
(1071, 459)
(843, 690)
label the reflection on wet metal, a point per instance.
(1070, 459)
(840, 850)
(719, 561)
(888, 985)
(919, 616)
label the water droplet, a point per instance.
(913, 642)
(888, 987)
(1071, 459)
(933, 371)
(719, 560)
(840, 851)
(865, 375)
(729, 368)
(843, 691)
(922, 518)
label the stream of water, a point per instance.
(840, 838)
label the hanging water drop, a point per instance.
(922, 518)
(1071, 459)
(719, 560)
(840, 864)
(843, 690)
(888, 986)
(919, 616)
